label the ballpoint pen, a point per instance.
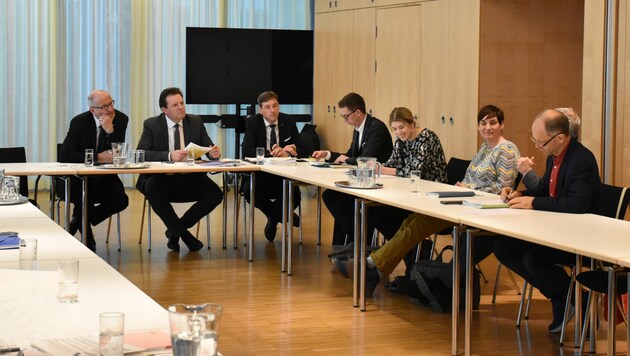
(9, 350)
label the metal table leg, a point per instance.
(252, 198)
(67, 204)
(319, 216)
(355, 280)
(289, 228)
(612, 296)
(469, 291)
(85, 221)
(283, 225)
(455, 302)
(225, 203)
(362, 257)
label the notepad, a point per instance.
(9, 240)
(452, 194)
(486, 203)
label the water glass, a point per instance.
(195, 328)
(190, 157)
(260, 155)
(68, 281)
(366, 177)
(119, 152)
(415, 181)
(111, 333)
(28, 249)
(137, 157)
(352, 177)
(89, 157)
(10, 189)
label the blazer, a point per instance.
(577, 186)
(154, 139)
(82, 134)
(375, 142)
(256, 134)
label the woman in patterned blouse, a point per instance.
(414, 149)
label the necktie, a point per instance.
(100, 141)
(272, 136)
(177, 143)
(355, 144)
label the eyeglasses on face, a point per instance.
(546, 143)
(345, 117)
(105, 107)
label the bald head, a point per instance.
(554, 121)
(96, 95)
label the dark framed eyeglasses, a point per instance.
(546, 143)
(345, 117)
(105, 107)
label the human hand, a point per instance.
(341, 159)
(508, 194)
(291, 149)
(179, 155)
(107, 123)
(277, 151)
(105, 156)
(215, 152)
(320, 154)
(525, 164)
(521, 202)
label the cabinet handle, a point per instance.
(451, 121)
(335, 3)
(330, 4)
(328, 108)
(334, 110)
(443, 120)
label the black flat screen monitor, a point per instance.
(233, 66)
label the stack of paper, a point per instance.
(197, 150)
(492, 202)
(281, 161)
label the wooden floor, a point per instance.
(267, 312)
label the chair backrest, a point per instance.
(456, 169)
(16, 155)
(612, 201)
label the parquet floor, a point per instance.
(269, 313)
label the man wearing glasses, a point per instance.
(370, 138)
(95, 129)
(570, 185)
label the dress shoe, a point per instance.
(173, 242)
(270, 229)
(557, 308)
(372, 276)
(90, 243)
(74, 226)
(191, 242)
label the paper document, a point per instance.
(452, 194)
(486, 203)
(282, 161)
(88, 345)
(197, 150)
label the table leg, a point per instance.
(612, 291)
(225, 202)
(51, 201)
(578, 301)
(236, 208)
(362, 260)
(593, 317)
(85, 221)
(289, 228)
(67, 204)
(319, 216)
(469, 291)
(252, 202)
(283, 225)
(355, 280)
(455, 303)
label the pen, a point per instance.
(507, 197)
(10, 349)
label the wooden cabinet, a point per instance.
(333, 5)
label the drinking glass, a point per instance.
(89, 157)
(137, 157)
(111, 333)
(190, 157)
(28, 249)
(195, 328)
(10, 189)
(260, 155)
(415, 181)
(119, 152)
(68, 281)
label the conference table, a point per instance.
(588, 235)
(28, 302)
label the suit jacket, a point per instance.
(154, 139)
(82, 135)
(256, 134)
(577, 186)
(375, 142)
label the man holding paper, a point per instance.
(164, 138)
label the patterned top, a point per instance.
(493, 168)
(424, 153)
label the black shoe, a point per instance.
(372, 279)
(91, 244)
(557, 308)
(270, 229)
(191, 242)
(296, 220)
(173, 242)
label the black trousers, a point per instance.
(106, 196)
(538, 265)
(162, 189)
(341, 207)
(269, 195)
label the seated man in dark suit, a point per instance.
(371, 138)
(277, 133)
(570, 184)
(164, 138)
(95, 129)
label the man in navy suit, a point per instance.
(370, 138)
(570, 184)
(277, 133)
(95, 129)
(164, 138)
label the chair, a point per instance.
(18, 155)
(613, 202)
